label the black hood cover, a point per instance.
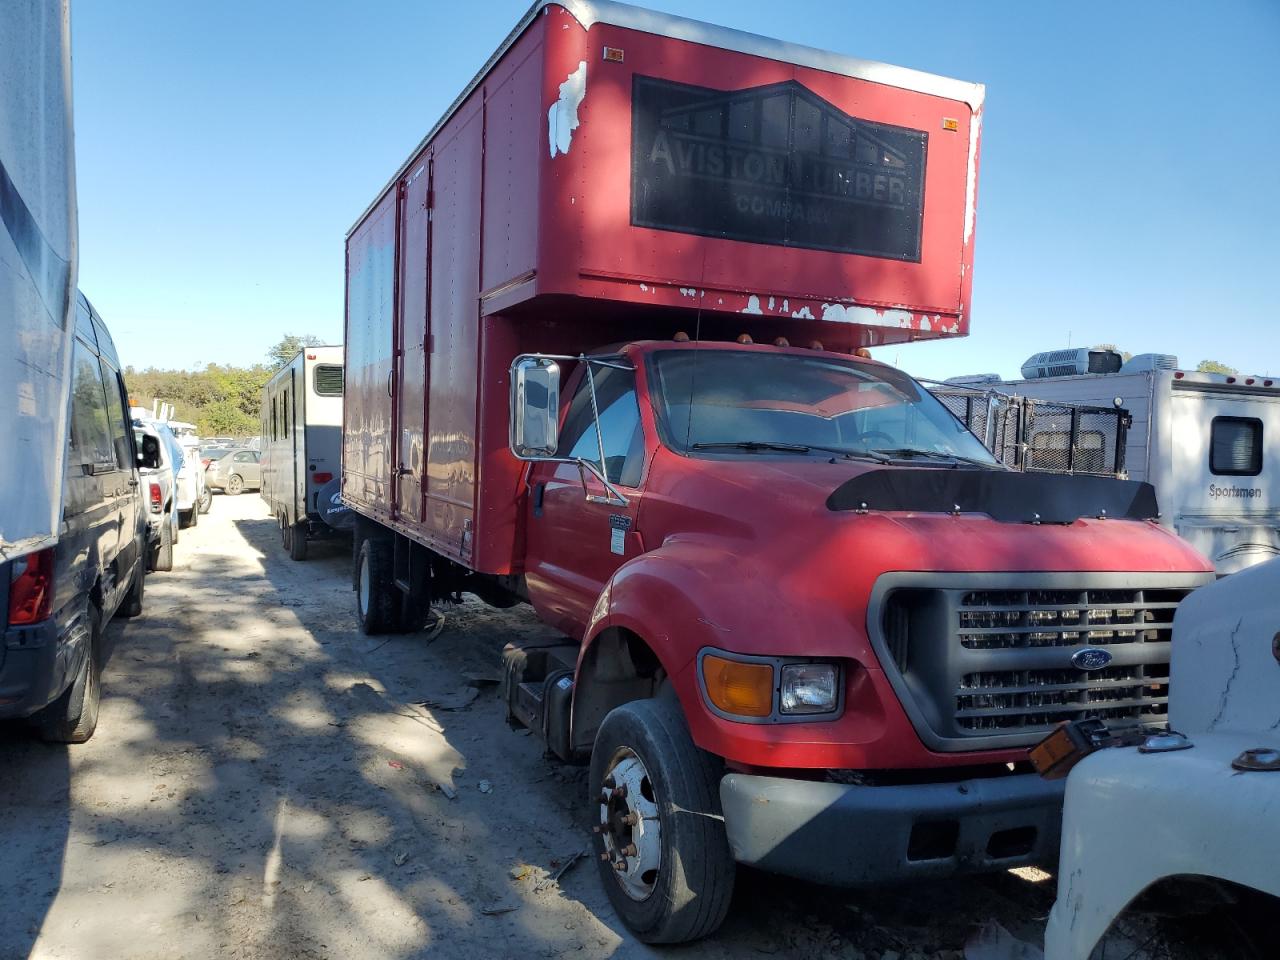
(1001, 494)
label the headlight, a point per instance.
(808, 688)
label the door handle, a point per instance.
(538, 490)
(390, 375)
(133, 482)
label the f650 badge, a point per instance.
(1090, 658)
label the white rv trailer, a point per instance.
(37, 270)
(301, 442)
(1209, 443)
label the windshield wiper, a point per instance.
(787, 448)
(909, 452)
(751, 445)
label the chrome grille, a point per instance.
(995, 663)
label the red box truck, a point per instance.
(809, 624)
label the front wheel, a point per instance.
(235, 484)
(660, 843)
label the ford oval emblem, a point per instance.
(1090, 658)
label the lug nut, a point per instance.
(609, 783)
(620, 793)
(605, 855)
(630, 850)
(630, 819)
(597, 829)
(620, 866)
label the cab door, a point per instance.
(575, 544)
(123, 480)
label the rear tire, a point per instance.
(206, 500)
(294, 538)
(164, 553)
(676, 887)
(377, 598)
(235, 485)
(73, 717)
(131, 605)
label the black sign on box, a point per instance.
(775, 164)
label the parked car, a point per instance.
(160, 488)
(236, 472)
(58, 599)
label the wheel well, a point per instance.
(618, 667)
(1205, 907)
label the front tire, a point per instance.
(377, 597)
(235, 485)
(73, 717)
(662, 851)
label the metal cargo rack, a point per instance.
(1042, 435)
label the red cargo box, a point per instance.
(614, 174)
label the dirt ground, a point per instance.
(262, 785)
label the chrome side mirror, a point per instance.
(535, 407)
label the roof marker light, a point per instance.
(745, 338)
(862, 352)
(815, 345)
(781, 342)
(1178, 375)
(1231, 379)
(681, 337)
(1249, 382)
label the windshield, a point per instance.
(712, 398)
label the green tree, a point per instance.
(1214, 366)
(288, 348)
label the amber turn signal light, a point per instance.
(740, 689)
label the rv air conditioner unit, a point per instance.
(1070, 363)
(1146, 362)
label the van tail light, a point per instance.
(156, 501)
(31, 588)
(322, 477)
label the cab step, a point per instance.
(537, 685)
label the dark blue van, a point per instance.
(58, 600)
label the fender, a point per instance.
(696, 592)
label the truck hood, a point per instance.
(809, 513)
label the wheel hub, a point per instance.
(630, 826)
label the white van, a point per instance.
(301, 442)
(1208, 442)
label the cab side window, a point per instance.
(90, 443)
(619, 425)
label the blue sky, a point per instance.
(1129, 193)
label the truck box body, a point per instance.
(612, 174)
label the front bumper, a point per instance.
(849, 835)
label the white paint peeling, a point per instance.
(971, 188)
(804, 313)
(925, 326)
(562, 117)
(720, 302)
(867, 316)
(753, 305)
(688, 292)
(644, 288)
(771, 303)
(786, 306)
